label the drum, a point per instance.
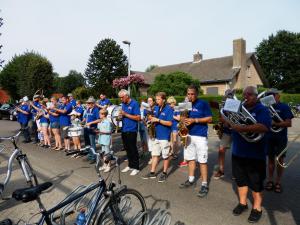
(113, 115)
(74, 131)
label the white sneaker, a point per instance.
(126, 169)
(107, 169)
(134, 172)
(103, 167)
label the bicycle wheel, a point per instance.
(126, 207)
(28, 172)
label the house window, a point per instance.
(212, 91)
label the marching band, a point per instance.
(254, 128)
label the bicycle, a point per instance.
(104, 204)
(23, 161)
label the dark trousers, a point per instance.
(90, 139)
(25, 131)
(34, 131)
(86, 136)
(129, 141)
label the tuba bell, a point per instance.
(149, 125)
(234, 112)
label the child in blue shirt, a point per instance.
(105, 130)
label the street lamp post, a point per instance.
(128, 43)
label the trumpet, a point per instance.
(241, 117)
(286, 164)
(183, 131)
(269, 101)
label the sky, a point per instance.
(161, 32)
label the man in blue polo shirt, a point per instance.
(163, 115)
(24, 117)
(197, 149)
(249, 158)
(277, 141)
(64, 120)
(103, 102)
(91, 117)
(130, 116)
(35, 106)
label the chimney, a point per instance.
(197, 57)
(239, 53)
(239, 60)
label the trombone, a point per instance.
(286, 164)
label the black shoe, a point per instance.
(239, 209)
(26, 141)
(162, 178)
(149, 176)
(254, 216)
(187, 184)
(203, 191)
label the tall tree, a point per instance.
(279, 57)
(174, 83)
(1, 60)
(26, 73)
(106, 63)
(69, 83)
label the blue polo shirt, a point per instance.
(163, 132)
(104, 102)
(132, 108)
(284, 112)
(175, 122)
(65, 119)
(79, 109)
(24, 118)
(33, 110)
(52, 118)
(200, 109)
(73, 103)
(255, 150)
(92, 115)
(44, 119)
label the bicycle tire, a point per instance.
(106, 217)
(32, 179)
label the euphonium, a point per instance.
(183, 131)
(149, 125)
(242, 117)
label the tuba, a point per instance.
(269, 101)
(183, 131)
(149, 125)
(234, 112)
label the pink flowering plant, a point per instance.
(134, 81)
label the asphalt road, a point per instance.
(67, 173)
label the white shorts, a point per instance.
(196, 149)
(160, 147)
(225, 141)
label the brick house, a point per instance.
(218, 74)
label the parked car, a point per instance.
(8, 111)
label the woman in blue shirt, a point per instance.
(54, 124)
(44, 123)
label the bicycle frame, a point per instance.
(21, 158)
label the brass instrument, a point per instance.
(269, 101)
(183, 131)
(240, 116)
(286, 164)
(149, 125)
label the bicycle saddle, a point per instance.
(31, 193)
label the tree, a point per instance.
(106, 63)
(174, 83)
(279, 57)
(1, 61)
(151, 67)
(69, 83)
(26, 73)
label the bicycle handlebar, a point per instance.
(11, 137)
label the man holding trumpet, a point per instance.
(249, 157)
(278, 141)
